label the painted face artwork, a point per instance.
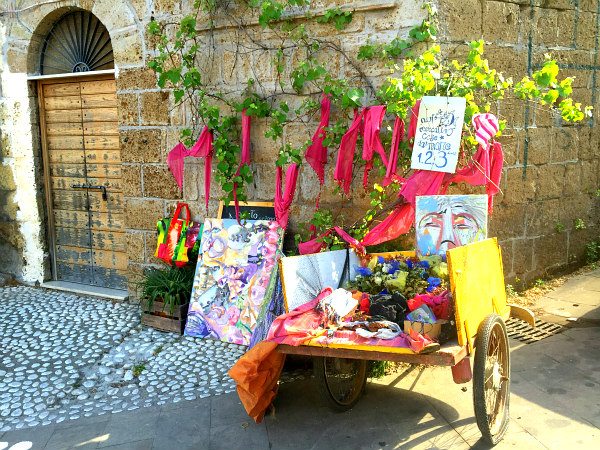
(443, 222)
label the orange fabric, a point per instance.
(256, 375)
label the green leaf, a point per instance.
(228, 187)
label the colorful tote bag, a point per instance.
(173, 243)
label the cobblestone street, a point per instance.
(64, 357)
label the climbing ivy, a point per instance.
(304, 69)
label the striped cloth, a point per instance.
(486, 127)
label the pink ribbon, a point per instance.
(203, 148)
(373, 116)
(244, 160)
(316, 153)
(397, 137)
(316, 245)
(284, 200)
(486, 127)
(345, 158)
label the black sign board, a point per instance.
(254, 211)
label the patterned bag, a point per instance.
(173, 243)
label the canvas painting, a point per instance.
(235, 276)
(443, 222)
(304, 277)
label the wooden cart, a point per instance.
(477, 284)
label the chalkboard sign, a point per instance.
(254, 210)
(437, 139)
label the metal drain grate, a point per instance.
(521, 331)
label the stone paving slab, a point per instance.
(65, 357)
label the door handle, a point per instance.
(92, 187)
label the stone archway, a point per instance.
(20, 127)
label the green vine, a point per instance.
(305, 65)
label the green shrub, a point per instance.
(173, 286)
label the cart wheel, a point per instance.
(491, 379)
(341, 381)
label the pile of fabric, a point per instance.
(371, 312)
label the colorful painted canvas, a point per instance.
(443, 222)
(234, 278)
(304, 277)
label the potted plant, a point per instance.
(165, 296)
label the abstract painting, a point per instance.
(234, 277)
(443, 222)
(304, 277)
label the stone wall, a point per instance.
(551, 170)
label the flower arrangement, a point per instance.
(400, 275)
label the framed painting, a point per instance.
(304, 277)
(443, 222)
(234, 277)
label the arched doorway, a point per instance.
(82, 160)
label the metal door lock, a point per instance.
(92, 187)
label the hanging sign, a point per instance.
(437, 139)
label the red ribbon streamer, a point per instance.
(244, 160)
(316, 153)
(345, 158)
(373, 117)
(284, 200)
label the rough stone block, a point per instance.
(193, 178)
(264, 182)
(565, 144)
(519, 189)
(154, 108)
(507, 221)
(463, 20)
(512, 146)
(131, 179)
(114, 15)
(522, 256)
(505, 19)
(136, 247)
(572, 179)
(7, 181)
(138, 78)
(127, 49)
(16, 59)
(588, 146)
(142, 146)
(143, 213)
(264, 149)
(549, 251)
(590, 178)
(586, 30)
(550, 181)
(577, 207)
(128, 109)
(542, 217)
(546, 27)
(540, 145)
(159, 183)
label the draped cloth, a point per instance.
(392, 166)
(244, 160)
(203, 148)
(283, 200)
(373, 117)
(345, 158)
(316, 153)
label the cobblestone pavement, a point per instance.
(65, 357)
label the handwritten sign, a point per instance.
(437, 140)
(254, 210)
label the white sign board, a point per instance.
(437, 139)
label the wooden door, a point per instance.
(82, 165)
